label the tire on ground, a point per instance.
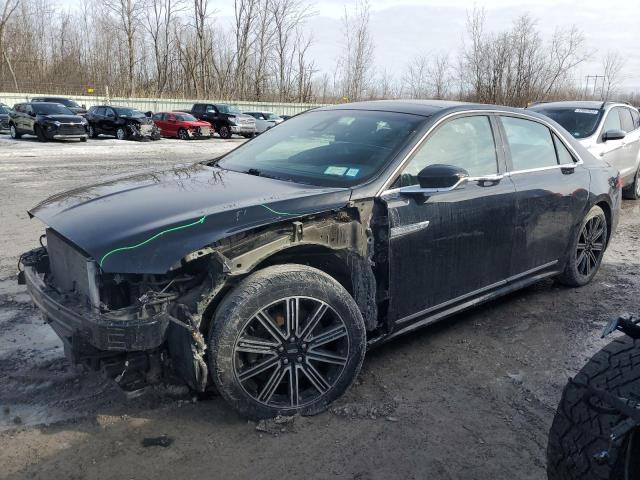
(253, 294)
(580, 431)
(571, 276)
(632, 192)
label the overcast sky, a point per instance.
(402, 29)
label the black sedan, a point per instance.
(121, 122)
(268, 272)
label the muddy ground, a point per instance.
(470, 398)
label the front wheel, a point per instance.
(288, 339)
(225, 132)
(182, 134)
(121, 134)
(586, 250)
(40, 134)
(632, 192)
(92, 132)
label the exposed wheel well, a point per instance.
(607, 213)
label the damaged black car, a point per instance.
(268, 272)
(124, 123)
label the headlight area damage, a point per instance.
(141, 328)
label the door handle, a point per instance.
(487, 179)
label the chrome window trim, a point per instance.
(383, 190)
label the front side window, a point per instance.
(157, 116)
(612, 121)
(530, 144)
(464, 142)
(327, 147)
(626, 120)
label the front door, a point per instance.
(613, 151)
(449, 246)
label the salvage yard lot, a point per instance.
(472, 397)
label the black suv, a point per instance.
(121, 122)
(67, 102)
(226, 119)
(47, 121)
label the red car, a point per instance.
(182, 125)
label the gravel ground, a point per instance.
(472, 397)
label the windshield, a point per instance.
(3, 110)
(185, 117)
(326, 148)
(579, 122)
(66, 102)
(50, 109)
(228, 108)
(129, 113)
(271, 116)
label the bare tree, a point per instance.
(415, 78)
(612, 65)
(357, 59)
(7, 8)
(128, 12)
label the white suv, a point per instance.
(609, 130)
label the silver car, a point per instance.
(609, 130)
(265, 120)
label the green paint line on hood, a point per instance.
(200, 221)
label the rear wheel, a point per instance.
(13, 132)
(632, 192)
(586, 250)
(288, 339)
(225, 132)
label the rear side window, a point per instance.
(530, 144)
(626, 120)
(463, 142)
(564, 156)
(612, 121)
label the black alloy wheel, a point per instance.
(591, 245)
(288, 339)
(182, 134)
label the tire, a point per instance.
(182, 134)
(225, 132)
(83, 139)
(322, 374)
(580, 431)
(40, 134)
(92, 132)
(121, 133)
(13, 132)
(632, 192)
(585, 252)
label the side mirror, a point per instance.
(613, 134)
(442, 177)
(32, 114)
(84, 107)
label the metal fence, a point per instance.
(164, 104)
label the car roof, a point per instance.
(591, 104)
(425, 108)
(47, 103)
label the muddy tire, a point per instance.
(289, 339)
(580, 431)
(632, 192)
(586, 250)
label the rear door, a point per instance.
(551, 194)
(447, 247)
(108, 121)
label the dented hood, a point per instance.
(147, 223)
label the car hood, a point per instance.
(147, 223)
(140, 120)
(199, 123)
(63, 118)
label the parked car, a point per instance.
(181, 125)
(269, 271)
(67, 102)
(121, 122)
(47, 121)
(265, 120)
(610, 131)
(226, 119)
(4, 118)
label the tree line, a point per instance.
(183, 49)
